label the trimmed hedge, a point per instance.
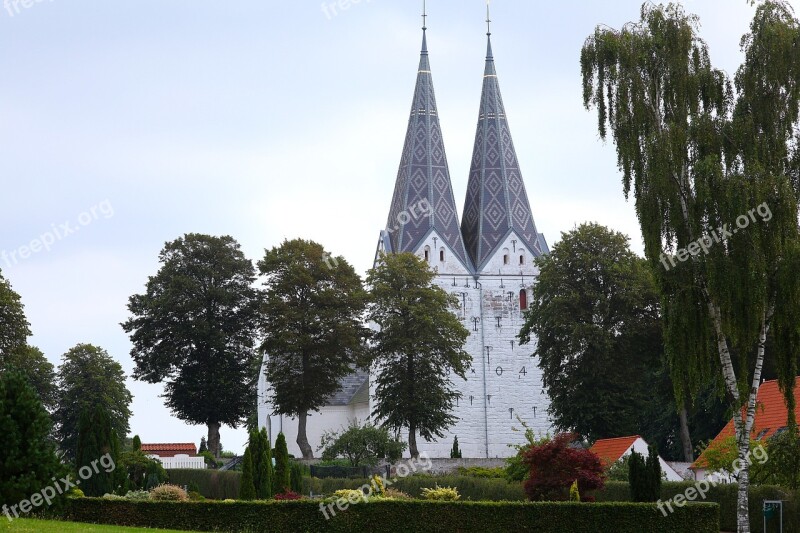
(402, 516)
(470, 488)
(724, 495)
(214, 484)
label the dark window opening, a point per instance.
(523, 300)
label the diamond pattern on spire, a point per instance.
(424, 177)
(496, 200)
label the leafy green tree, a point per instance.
(88, 379)
(29, 461)
(262, 463)
(313, 328)
(703, 156)
(620, 470)
(96, 439)
(194, 329)
(595, 314)
(247, 491)
(39, 371)
(203, 445)
(417, 350)
(15, 353)
(362, 445)
(281, 480)
(16, 329)
(783, 466)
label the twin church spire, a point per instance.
(496, 203)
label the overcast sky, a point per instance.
(126, 124)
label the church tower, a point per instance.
(423, 217)
(487, 264)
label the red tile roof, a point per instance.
(610, 450)
(771, 415)
(170, 449)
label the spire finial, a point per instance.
(488, 20)
(424, 15)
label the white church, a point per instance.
(486, 260)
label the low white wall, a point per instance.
(181, 461)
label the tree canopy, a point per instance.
(595, 315)
(312, 328)
(29, 460)
(417, 350)
(194, 330)
(713, 167)
(89, 379)
(15, 353)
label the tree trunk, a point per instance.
(213, 439)
(302, 438)
(686, 438)
(412, 441)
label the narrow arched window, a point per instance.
(523, 300)
(427, 253)
(441, 255)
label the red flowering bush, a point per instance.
(288, 495)
(555, 465)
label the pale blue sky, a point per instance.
(268, 120)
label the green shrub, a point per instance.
(397, 515)
(137, 495)
(455, 452)
(351, 495)
(574, 493)
(725, 496)
(212, 484)
(481, 471)
(248, 489)
(281, 481)
(168, 493)
(297, 472)
(470, 488)
(75, 492)
(444, 494)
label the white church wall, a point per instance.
(488, 424)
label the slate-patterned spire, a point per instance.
(496, 201)
(424, 178)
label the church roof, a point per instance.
(423, 195)
(351, 389)
(497, 202)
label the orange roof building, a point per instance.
(170, 449)
(612, 450)
(771, 417)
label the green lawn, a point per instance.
(27, 525)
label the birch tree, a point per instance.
(712, 164)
